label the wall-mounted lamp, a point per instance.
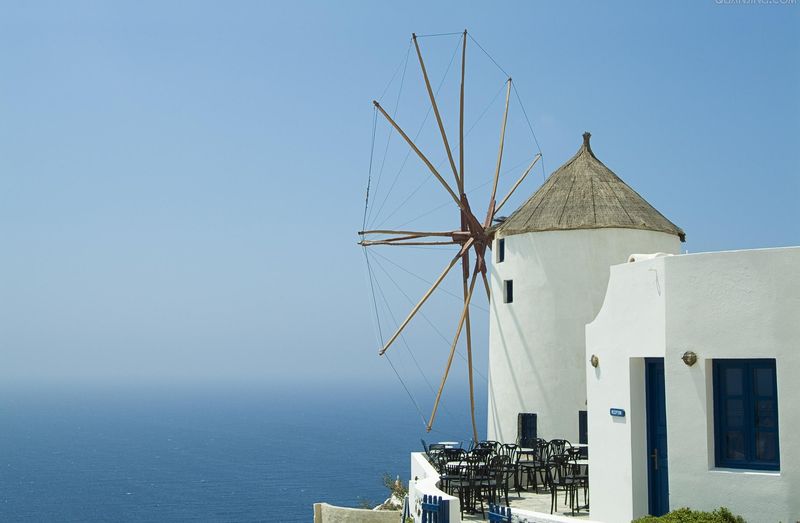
(689, 358)
(594, 360)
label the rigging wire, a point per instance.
(427, 320)
(369, 173)
(420, 278)
(394, 115)
(487, 54)
(530, 126)
(402, 382)
(380, 334)
(407, 346)
(403, 338)
(518, 98)
(422, 125)
(428, 178)
(395, 72)
(440, 34)
(443, 407)
(487, 182)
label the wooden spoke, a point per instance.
(461, 118)
(436, 110)
(368, 243)
(427, 295)
(418, 233)
(421, 156)
(469, 365)
(490, 211)
(464, 314)
(486, 286)
(528, 170)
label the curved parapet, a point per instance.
(425, 480)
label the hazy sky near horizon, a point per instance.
(181, 182)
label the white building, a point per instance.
(549, 277)
(682, 364)
(721, 432)
(724, 430)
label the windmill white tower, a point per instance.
(548, 280)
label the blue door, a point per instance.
(657, 474)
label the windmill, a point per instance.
(474, 236)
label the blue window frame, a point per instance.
(501, 250)
(746, 414)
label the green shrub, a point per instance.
(685, 515)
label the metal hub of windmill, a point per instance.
(474, 236)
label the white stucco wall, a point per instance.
(628, 328)
(324, 513)
(425, 480)
(742, 304)
(536, 343)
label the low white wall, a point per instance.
(324, 513)
(424, 480)
(743, 304)
(524, 516)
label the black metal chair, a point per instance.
(580, 472)
(490, 444)
(559, 446)
(481, 481)
(512, 451)
(503, 469)
(534, 465)
(560, 478)
(451, 464)
(432, 451)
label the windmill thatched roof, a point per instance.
(584, 194)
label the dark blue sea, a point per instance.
(204, 453)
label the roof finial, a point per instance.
(586, 137)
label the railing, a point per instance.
(499, 514)
(435, 509)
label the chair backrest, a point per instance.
(501, 468)
(511, 450)
(542, 450)
(559, 446)
(433, 452)
(477, 465)
(484, 453)
(494, 445)
(450, 460)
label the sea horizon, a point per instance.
(210, 451)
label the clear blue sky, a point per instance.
(181, 182)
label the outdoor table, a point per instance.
(449, 444)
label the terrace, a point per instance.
(547, 482)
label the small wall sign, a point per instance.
(617, 413)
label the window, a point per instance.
(501, 250)
(508, 291)
(746, 414)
